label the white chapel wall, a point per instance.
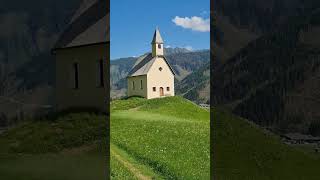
(157, 78)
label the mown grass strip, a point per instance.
(136, 169)
(158, 167)
(118, 171)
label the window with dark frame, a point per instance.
(101, 79)
(141, 87)
(159, 46)
(133, 85)
(154, 89)
(168, 88)
(76, 75)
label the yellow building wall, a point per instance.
(137, 90)
(157, 78)
(88, 95)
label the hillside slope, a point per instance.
(71, 146)
(274, 80)
(196, 86)
(244, 151)
(262, 16)
(169, 136)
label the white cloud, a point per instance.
(168, 46)
(195, 23)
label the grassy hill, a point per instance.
(244, 151)
(68, 147)
(168, 137)
(165, 138)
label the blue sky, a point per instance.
(181, 24)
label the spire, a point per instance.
(157, 39)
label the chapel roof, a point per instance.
(144, 63)
(88, 26)
(84, 6)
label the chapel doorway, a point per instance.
(161, 91)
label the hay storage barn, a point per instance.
(81, 56)
(151, 75)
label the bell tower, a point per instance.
(157, 44)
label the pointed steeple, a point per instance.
(157, 39)
(157, 44)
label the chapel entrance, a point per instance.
(161, 91)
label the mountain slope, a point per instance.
(29, 30)
(274, 80)
(262, 16)
(196, 86)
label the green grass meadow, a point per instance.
(70, 147)
(166, 138)
(242, 151)
(169, 136)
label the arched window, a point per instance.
(159, 46)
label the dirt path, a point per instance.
(130, 167)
